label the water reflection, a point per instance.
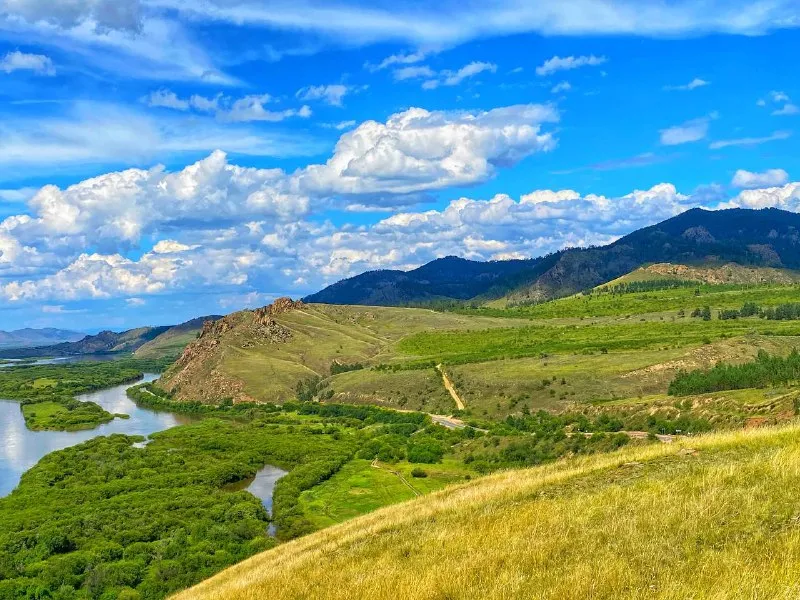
(21, 448)
(262, 487)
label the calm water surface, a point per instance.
(21, 448)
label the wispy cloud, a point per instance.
(415, 72)
(775, 98)
(692, 85)
(330, 94)
(91, 133)
(161, 50)
(690, 131)
(449, 22)
(452, 78)
(787, 109)
(567, 63)
(409, 58)
(341, 125)
(640, 160)
(750, 141)
(245, 109)
(251, 108)
(166, 99)
(17, 196)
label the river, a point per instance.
(13, 362)
(20, 448)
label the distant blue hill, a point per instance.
(26, 338)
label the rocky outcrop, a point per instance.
(727, 273)
(197, 374)
(699, 234)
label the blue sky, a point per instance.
(163, 159)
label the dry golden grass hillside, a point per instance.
(709, 517)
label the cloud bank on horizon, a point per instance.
(161, 159)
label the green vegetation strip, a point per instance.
(47, 392)
(460, 347)
(599, 304)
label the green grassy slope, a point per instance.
(246, 359)
(711, 517)
(586, 348)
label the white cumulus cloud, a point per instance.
(768, 178)
(20, 61)
(375, 165)
(419, 150)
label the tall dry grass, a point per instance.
(714, 517)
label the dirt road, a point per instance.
(397, 474)
(450, 388)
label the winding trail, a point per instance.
(397, 474)
(450, 388)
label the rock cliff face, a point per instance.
(197, 375)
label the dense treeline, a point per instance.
(367, 414)
(764, 371)
(107, 519)
(652, 285)
(782, 312)
(34, 382)
(149, 395)
(337, 367)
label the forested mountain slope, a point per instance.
(764, 238)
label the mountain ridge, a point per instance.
(458, 278)
(766, 238)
